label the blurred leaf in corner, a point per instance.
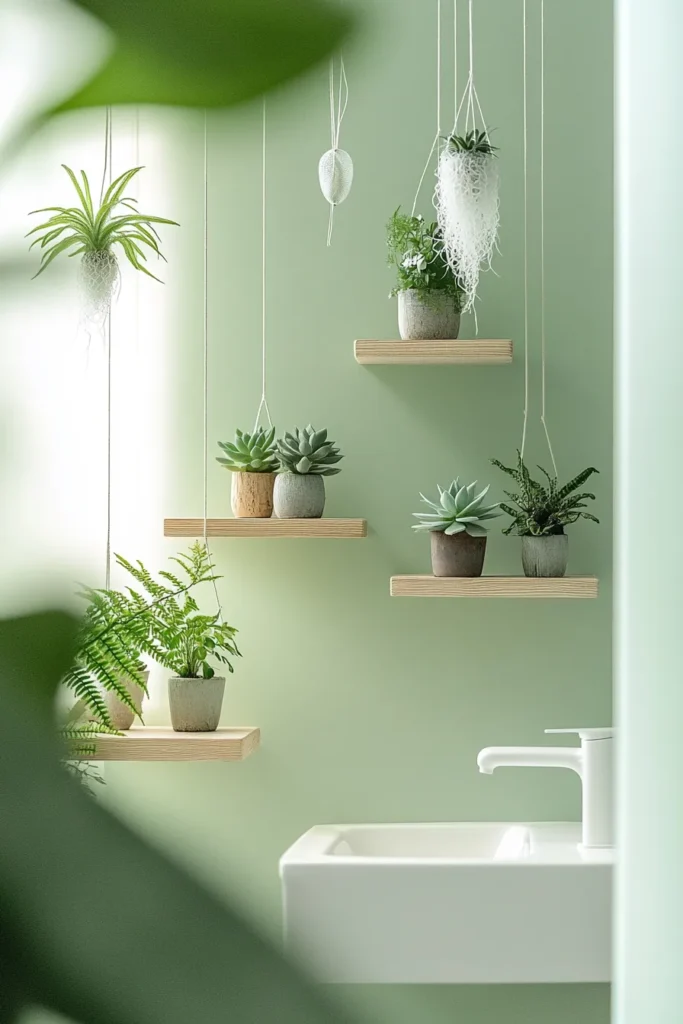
(94, 923)
(206, 53)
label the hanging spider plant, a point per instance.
(92, 233)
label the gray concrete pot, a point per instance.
(251, 495)
(195, 703)
(459, 555)
(427, 318)
(120, 714)
(545, 556)
(299, 496)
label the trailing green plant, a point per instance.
(474, 141)
(181, 638)
(416, 252)
(118, 628)
(308, 451)
(458, 510)
(251, 453)
(543, 510)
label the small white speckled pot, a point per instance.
(299, 496)
(433, 317)
(195, 704)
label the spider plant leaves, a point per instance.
(206, 54)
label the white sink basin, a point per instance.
(471, 902)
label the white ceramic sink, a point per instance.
(471, 902)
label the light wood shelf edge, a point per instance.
(484, 352)
(341, 529)
(151, 743)
(573, 587)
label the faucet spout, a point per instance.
(491, 758)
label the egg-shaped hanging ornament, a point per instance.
(335, 173)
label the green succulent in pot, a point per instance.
(253, 460)
(541, 511)
(456, 523)
(306, 456)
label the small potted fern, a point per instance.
(253, 461)
(92, 232)
(185, 641)
(456, 526)
(430, 298)
(540, 513)
(306, 456)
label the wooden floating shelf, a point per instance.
(148, 743)
(342, 529)
(485, 352)
(494, 586)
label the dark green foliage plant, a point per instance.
(250, 453)
(92, 231)
(308, 450)
(416, 253)
(474, 141)
(542, 510)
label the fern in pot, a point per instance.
(184, 641)
(306, 456)
(430, 298)
(93, 231)
(253, 462)
(456, 525)
(540, 512)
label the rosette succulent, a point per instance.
(458, 510)
(308, 451)
(250, 453)
(475, 141)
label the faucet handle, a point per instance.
(587, 734)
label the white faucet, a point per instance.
(592, 762)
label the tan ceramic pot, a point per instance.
(195, 704)
(122, 717)
(252, 495)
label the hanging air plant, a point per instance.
(467, 206)
(92, 234)
(335, 168)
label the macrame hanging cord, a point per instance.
(435, 143)
(263, 404)
(205, 346)
(544, 421)
(335, 168)
(106, 180)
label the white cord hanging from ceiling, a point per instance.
(544, 421)
(467, 190)
(205, 347)
(525, 142)
(263, 404)
(435, 143)
(106, 180)
(335, 168)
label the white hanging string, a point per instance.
(107, 178)
(526, 232)
(470, 97)
(438, 107)
(263, 404)
(337, 111)
(543, 338)
(205, 346)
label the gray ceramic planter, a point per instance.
(545, 556)
(195, 703)
(299, 496)
(433, 317)
(459, 555)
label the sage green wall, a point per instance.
(374, 709)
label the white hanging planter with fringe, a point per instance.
(335, 167)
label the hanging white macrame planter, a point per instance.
(467, 192)
(335, 168)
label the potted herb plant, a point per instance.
(430, 298)
(456, 525)
(306, 456)
(185, 641)
(540, 513)
(253, 461)
(92, 232)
